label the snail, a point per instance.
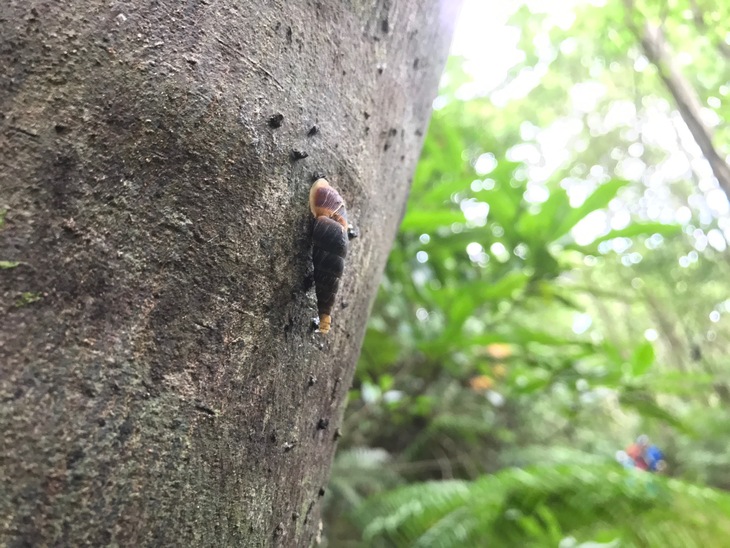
(329, 243)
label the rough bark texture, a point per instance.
(161, 383)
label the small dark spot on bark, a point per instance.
(101, 422)
(380, 70)
(289, 35)
(366, 115)
(418, 132)
(386, 146)
(276, 120)
(402, 158)
(322, 424)
(312, 131)
(352, 232)
(288, 447)
(272, 437)
(125, 430)
(63, 185)
(289, 325)
(415, 63)
(318, 175)
(392, 132)
(295, 516)
(312, 380)
(344, 305)
(298, 155)
(277, 26)
(61, 129)
(279, 531)
(344, 73)
(200, 406)
(367, 130)
(321, 491)
(385, 26)
(309, 511)
(73, 457)
(338, 380)
(308, 282)
(314, 325)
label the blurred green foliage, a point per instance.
(558, 286)
(547, 505)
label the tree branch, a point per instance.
(688, 103)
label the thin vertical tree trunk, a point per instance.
(656, 49)
(688, 103)
(161, 383)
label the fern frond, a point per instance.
(542, 505)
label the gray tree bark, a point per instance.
(161, 383)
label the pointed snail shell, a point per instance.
(329, 247)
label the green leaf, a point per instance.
(634, 229)
(504, 288)
(645, 405)
(598, 200)
(502, 207)
(524, 336)
(428, 220)
(440, 195)
(519, 507)
(461, 308)
(642, 359)
(8, 264)
(544, 227)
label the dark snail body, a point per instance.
(329, 241)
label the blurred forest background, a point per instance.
(559, 286)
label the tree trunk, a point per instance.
(688, 102)
(161, 382)
(655, 47)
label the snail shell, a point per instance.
(329, 243)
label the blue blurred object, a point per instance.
(654, 458)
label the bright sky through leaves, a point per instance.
(490, 47)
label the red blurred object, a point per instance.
(636, 452)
